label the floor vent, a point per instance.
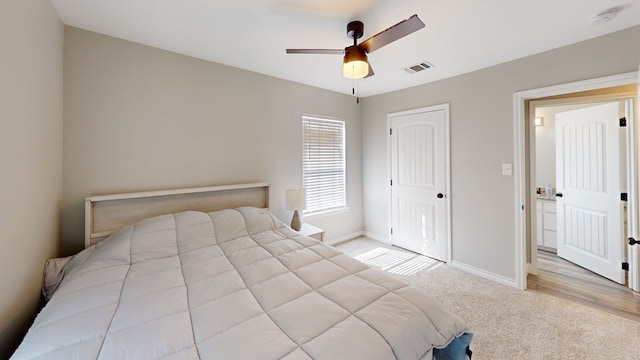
(418, 67)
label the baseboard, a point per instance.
(377, 237)
(531, 269)
(357, 234)
(484, 274)
(342, 239)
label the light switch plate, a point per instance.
(507, 169)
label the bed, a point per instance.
(210, 273)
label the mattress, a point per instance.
(232, 284)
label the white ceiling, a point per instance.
(460, 36)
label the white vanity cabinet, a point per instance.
(546, 223)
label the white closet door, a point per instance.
(418, 168)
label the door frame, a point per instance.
(522, 187)
(447, 170)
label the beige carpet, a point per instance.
(508, 323)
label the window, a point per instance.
(323, 164)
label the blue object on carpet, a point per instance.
(458, 349)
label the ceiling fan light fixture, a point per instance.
(355, 64)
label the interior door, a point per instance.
(589, 209)
(418, 182)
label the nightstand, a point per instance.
(312, 231)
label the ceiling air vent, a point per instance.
(418, 67)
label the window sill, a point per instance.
(324, 214)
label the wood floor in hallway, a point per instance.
(562, 278)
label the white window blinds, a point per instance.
(323, 164)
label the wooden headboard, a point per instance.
(105, 214)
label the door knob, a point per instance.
(440, 195)
(633, 241)
(559, 194)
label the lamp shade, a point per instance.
(355, 65)
(295, 199)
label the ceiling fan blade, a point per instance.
(316, 51)
(371, 73)
(392, 34)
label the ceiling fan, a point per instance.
(355, 64)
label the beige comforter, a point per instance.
(233, 284)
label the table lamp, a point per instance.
(296, 200)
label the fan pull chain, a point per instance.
(353, 91)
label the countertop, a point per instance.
(545, 198)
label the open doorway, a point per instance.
(584, 267)
(525, 105)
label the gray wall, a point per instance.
(138, 118)
(482, 199)
(31, 38)
(546, 147)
